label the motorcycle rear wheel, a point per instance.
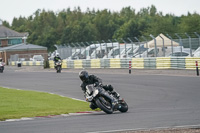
(104, 105)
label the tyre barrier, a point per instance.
(136, 63)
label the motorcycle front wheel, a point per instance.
(58, 69)
(104, 104)
(123, 106)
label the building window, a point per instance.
(0, 42)
(15, 41)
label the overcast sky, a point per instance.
(15, 8)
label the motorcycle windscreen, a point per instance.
(90, 89)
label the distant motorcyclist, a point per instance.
(92, 79)
(2, 64)
(1, 61)
(56, 58)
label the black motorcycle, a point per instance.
(105, 100)
(58, 67)
(1, 67)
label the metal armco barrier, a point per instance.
(95, 63)
(178, 63)
(78, 63)
(150, 63)
(136, 63)
(190, 62)
(163, 63)
(115, 63)
(105, 63)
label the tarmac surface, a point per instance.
(170, 72)
(172, 130)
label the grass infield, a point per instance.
(20, 103)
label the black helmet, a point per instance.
(83, 75)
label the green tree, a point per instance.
(5, 23)
(105, 25)
(190, 23)
(47, 28)
(132, 28)
(19, 24)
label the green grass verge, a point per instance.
(19, 103)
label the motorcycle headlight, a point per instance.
(89, 98)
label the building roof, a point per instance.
(22, 47)
(6, 32)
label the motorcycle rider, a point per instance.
(1, 62)
(92, 79)
(56, 58)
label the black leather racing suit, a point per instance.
(56, 59)
(94, 79)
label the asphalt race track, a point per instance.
(154, 101)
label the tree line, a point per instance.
(47, 28)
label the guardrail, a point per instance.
(137, 63)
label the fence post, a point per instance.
(189, 44)
(131, 44)
(155, 50)
(197, 69)
(119, 47)
(146, 44)
(124, 47)
(88, 51)
(180, 40)
(74, 46)
(95, 56)
(79, 45)
(112, 46)
(84, 50)
(198, 37)
(139, 45)
(163, 45)
(171, 43)
(100, 49)
(106, 50)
